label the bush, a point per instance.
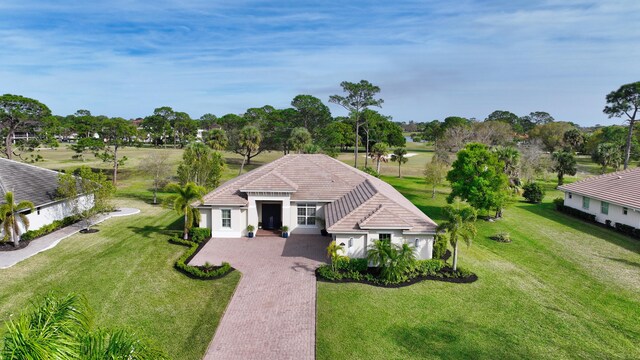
(428, 267)
(559, 203)
(47, 229)
(573, 212)
(628, 230)
(204, 272)
(503, 237)
(440, 246)
(198, 235)
(371, 171)
(533, 192)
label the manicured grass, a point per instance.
(126, 272)
(562, 289)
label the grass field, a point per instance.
(562, 289)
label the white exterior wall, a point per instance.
(615, 211)
(253, 208)
(360, 243)
(214, 221)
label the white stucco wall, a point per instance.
(294, 228)
(211, 217)
(360, 243)
(616, 214)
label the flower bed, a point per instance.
(206, 271)
(357, 270)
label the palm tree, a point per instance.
(333, 252)
(378, 153)
(11, 215)
(217, 139)
(60, 328)
(249, 140)
(400, 155)
(393, 260)
(182, 203)
(510, 156)
(460, 226)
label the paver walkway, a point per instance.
(10, 258)
(272, 314)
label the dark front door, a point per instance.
(271, 216)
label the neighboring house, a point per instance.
(309, 193)
(38, 185)
(614, 197)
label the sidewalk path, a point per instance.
(10, 258)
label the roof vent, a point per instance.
(619, 177)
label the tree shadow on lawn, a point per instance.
(547, 211)
(175, 228)
(623, 261)
(449, 339)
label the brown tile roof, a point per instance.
(351, 193)
(382, 217)
(27, 182)
(621, 188)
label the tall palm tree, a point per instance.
(249, 140)
(379, 153)
(182, 202)
(460, 226)
(60, 328)
(400, 156)
(12, 214)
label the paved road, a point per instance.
(272, 314)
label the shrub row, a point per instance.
(628, 230)
(47, 229)
(559, 203)
(357, 270)
(199, 272)
(198, 235)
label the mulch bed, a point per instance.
(468, 280)
(8, 246)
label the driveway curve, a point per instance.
(272, 314)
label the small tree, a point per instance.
(157, 165)
(76, 186)
(12, 215)
(564, 164)
(394, 261)
(249, 142)
(201, 166)
(533, 192)
(115, 133)
(299, 139)
(607, 154)
(399, 156)
(333, 252)
(435, 173)
(379, 154)
(459, 224)
(183, 201)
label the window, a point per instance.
(604, 207)
(585, 203)
(38, 210)
(306, 214)
(625, 211)
(384, 237)
(226, 218)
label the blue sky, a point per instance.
(432, 59)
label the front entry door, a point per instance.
(271, 216)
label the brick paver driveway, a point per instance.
(272, 314)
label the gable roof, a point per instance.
(352, 194)
(620, 188)
(27, 182)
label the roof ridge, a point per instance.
(370, 214)
(355, 208)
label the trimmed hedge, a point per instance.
(47, 229)
(198, 235)
(628, 230)
(573, 212)
(622, 228)
(198, 272)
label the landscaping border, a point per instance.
(623, 229)
(198, 272)
(468, 280)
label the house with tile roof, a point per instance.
(38, 185)
(614, 197)
(309, 193)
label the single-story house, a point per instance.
(614, 197)
(38, 185)
(309, 193)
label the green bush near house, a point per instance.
(47, 229)
(204, 272)
(198, 235)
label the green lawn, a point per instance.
(562, 289)
(126, 272)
